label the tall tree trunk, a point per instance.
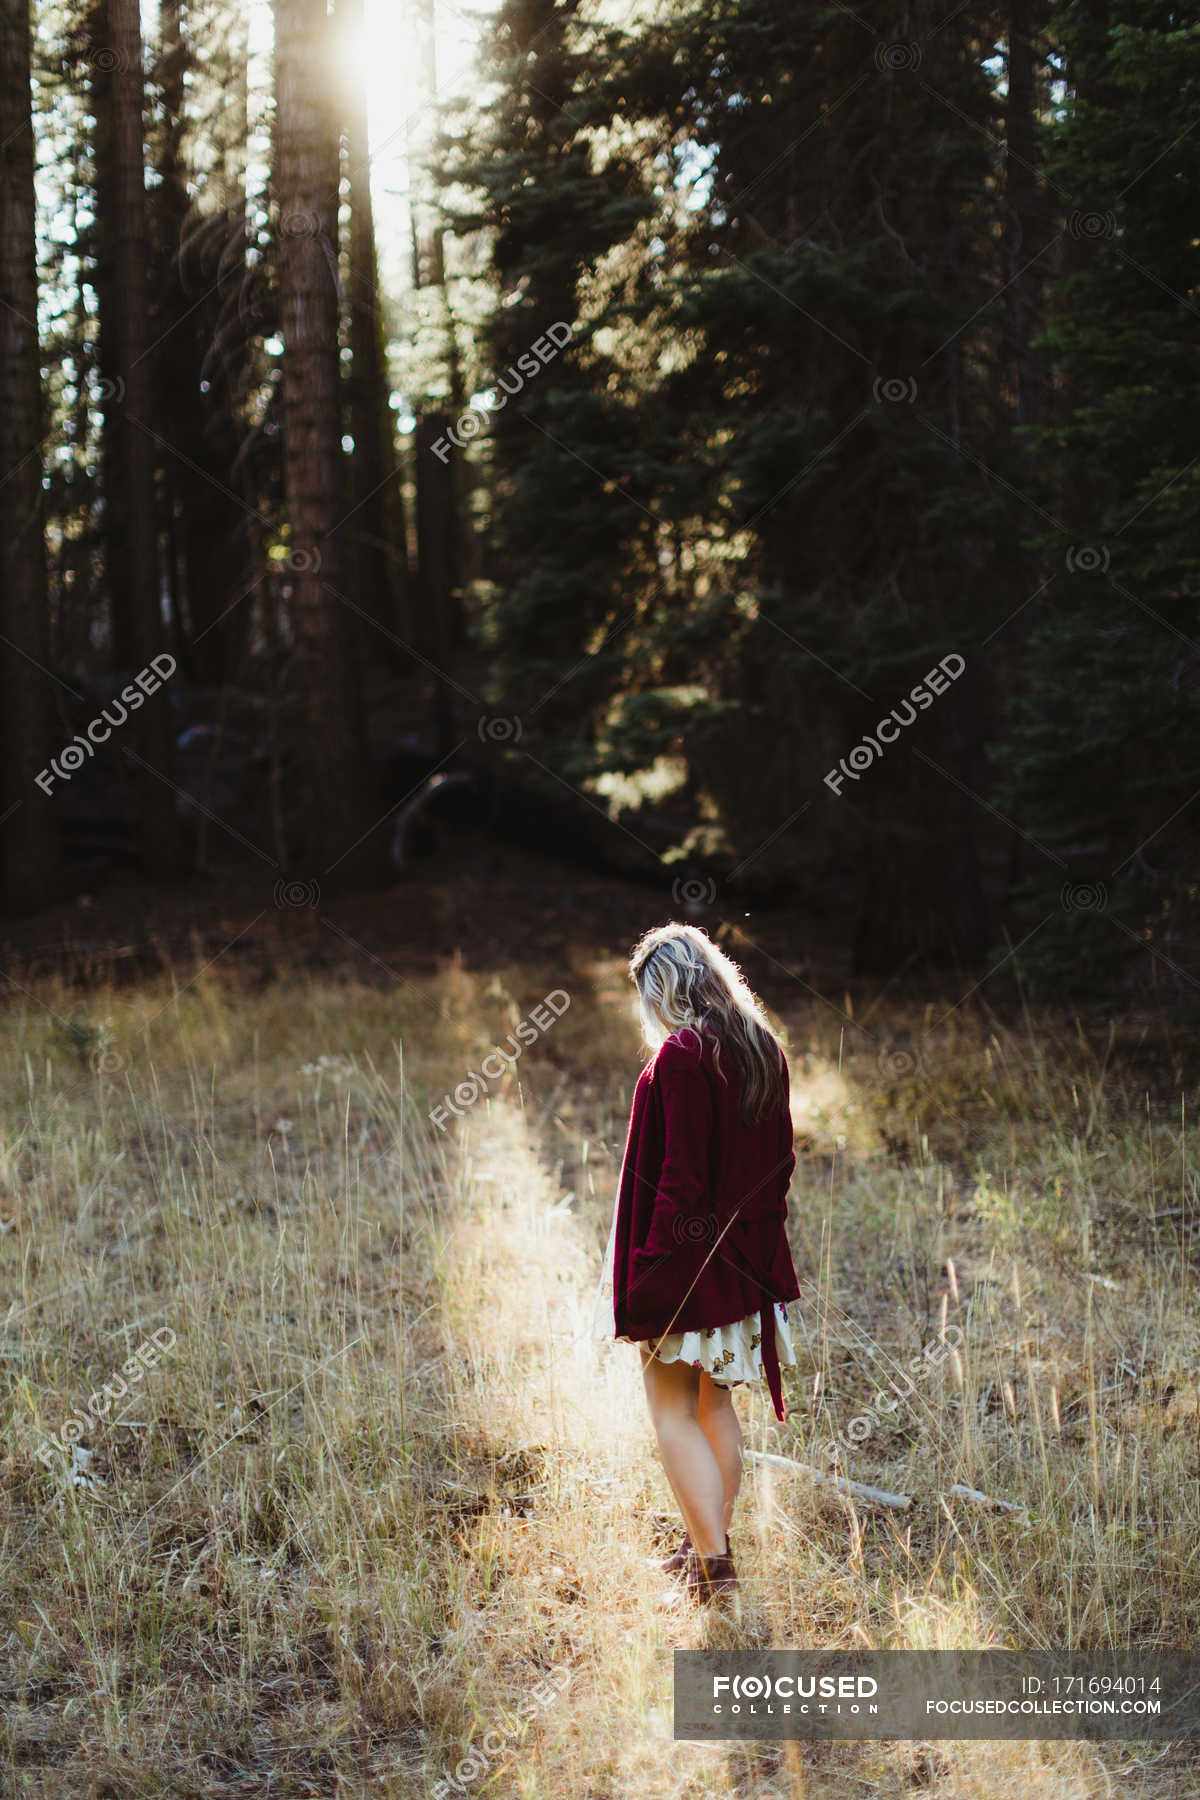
(131, 537)
(376, 526)
(71, 580)
(233, 356)
(330, 741)
(27, 842)
(1085, 87)
(441, 484)
(1024, 231)
(435, 568)
(207, 520)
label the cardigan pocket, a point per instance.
(644, 1264)
(642, 1257)
(643, 1297)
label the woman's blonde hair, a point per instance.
(684, 982)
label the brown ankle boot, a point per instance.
(677, 1562)
(711, 1577)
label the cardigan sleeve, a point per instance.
(787, 1131)
(683, 1191)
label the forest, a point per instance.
(526, 523)
(735, 367)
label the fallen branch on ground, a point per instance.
(969, 1493)
(873, 1496)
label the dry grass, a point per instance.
(384, 1485)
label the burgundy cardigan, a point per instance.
(701, 1206)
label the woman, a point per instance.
(698, 1270)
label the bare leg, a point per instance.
(673, 1395)
(719, 1423)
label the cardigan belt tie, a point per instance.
(770, 1356)
(759, 1212)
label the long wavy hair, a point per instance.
(684, 982)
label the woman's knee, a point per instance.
(714, 1399)
(672, 1389)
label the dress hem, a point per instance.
(731, 1354)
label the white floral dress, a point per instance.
(729, 1354)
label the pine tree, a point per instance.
(27, 838)
(775, 433)
(376, 525)
(198, 261)
(130, 421)
(552, 205)
(330, 743)
(1102, 751)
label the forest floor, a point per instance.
(379, 1515)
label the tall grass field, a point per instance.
(373, 1515)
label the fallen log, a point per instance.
(873, 1496)
(858, 1490)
